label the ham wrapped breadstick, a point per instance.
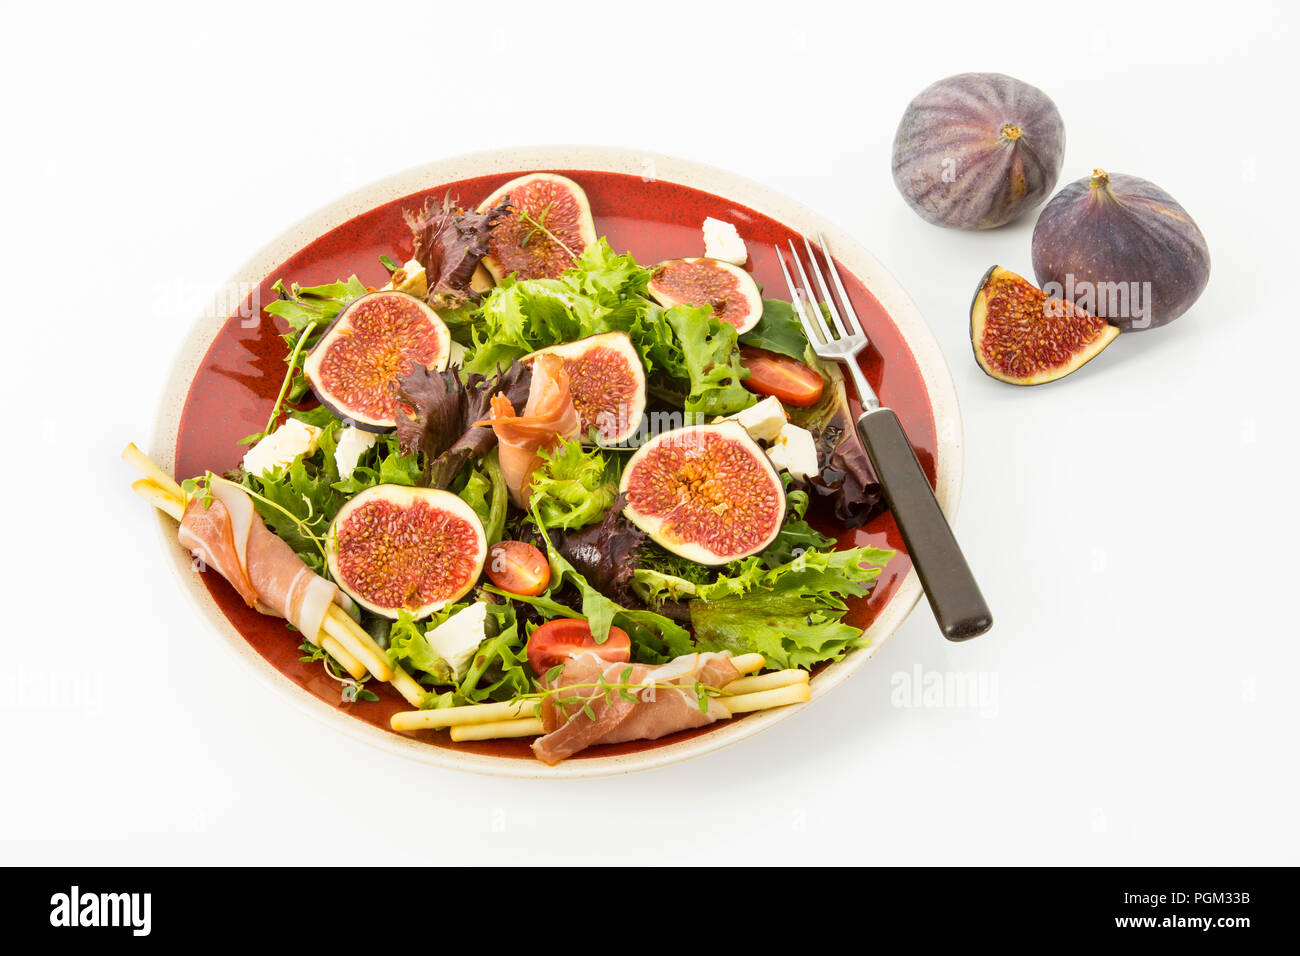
(228, 534)
(584, 712)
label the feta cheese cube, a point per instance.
(409, 278)
(456, 639)
(763, 420)
(353, 443)
(795, 451)
(721, 241)
(291, 440)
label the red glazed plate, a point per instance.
(224, 383)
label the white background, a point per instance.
(1134, 527)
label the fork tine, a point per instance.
(797, 300)
(826, 292)
(814, 308)
(839, 287)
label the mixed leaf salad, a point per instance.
(528, 442)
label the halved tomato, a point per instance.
(557, 641)
(791, 381)
(517, 567)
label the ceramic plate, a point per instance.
(229, 370)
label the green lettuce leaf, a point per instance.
(497, 672)
(792, 614)
(485, 491)
(574, 487)
(778, 330)
(305, 307)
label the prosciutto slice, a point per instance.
(229, 536)
(548, 419)
(597, 716)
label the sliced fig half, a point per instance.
(729, 289)
(376, 340)
(393, 548)
(1024, 337)
(548, 227)
(705, 492)
(607, 383)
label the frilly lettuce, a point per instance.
(497, 672)
(606, 292)
(573, 487)
(792, 614)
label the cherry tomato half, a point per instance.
(517, 567)
(557, 641)
(771, 374)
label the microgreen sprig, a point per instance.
(537, 224)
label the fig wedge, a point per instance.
(1022, 336)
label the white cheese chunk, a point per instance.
(353, 443)
(795, 451)
(721, 241)
(456, 639)
(455, 355)
(763, 420)
(410, 278)
(281, 447)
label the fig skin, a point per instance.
(977, 150)
(1121, 229)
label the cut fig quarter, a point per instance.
(376, 340)
(1022, 336)
(607, 383)
(705, 492)
(548, 227)
(731, 290)
(394, 548)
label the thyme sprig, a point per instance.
(537, 224)
(623, 689)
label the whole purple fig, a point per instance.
(977, 150)
(1121, 248)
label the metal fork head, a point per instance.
(843, 337)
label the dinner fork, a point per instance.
(955, 598)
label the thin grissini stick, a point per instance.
(145, 465)
(170, 499)
(361, 645)
(159, 497)
(407, 686)
(750, 685)
(514, 712)
(467, 714)
(498, 730)
(797, 692)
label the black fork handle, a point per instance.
(955, 598)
